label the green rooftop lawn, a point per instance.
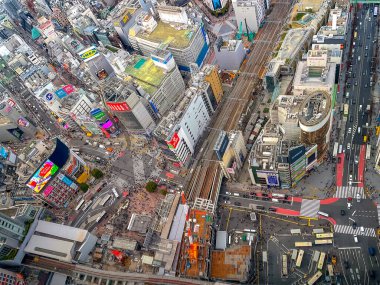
(148, 75)
(166, 34)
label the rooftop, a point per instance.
(232, 263)
(195, 246)
(148, 75)
(315, 108)
(176, 36)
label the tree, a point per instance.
(84, 187)
(151, 186)
(97, 173)
(164, 192)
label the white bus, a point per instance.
(323, 214)
(330, 269)
(284, 265)
(303, 244)
(335, 151)
(321, 260)
(323, 241)
(278, 195)
(79, 205)
(115, 193)
(325, 235)
(315, 278)
(368, 152)
(299, 258)
(318, 231)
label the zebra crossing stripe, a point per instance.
(349, 191)
(378, 213)
(344, 229)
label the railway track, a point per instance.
(206, 165)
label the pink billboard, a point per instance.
(68, 89)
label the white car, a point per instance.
(348, 146)
(350, 177)
(349, 130)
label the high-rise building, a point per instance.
(182, 128)
(188, 43)
(11, 228)
(14, 125)
(133, 110)
(250, 14)
(229, 54)
(208, 73)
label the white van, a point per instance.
(236, 194)
(356, 238)
(362, 229)
(359, 130)
(358, 58)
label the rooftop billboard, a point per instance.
(42, 176)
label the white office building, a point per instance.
(250, 13)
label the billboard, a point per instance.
(88, 53)
(12, 157)
(296, 153)
(173, 143)
(42, 176)
(3, 152)
(97, 114)
(119, 106)
(22, 122)
(68, 89)
(60, 93)
(272, 180)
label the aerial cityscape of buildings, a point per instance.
(189, 142)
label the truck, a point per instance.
(333, 260)
(368, 108)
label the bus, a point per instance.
(278, 195)
(303, 244)
(318, 231)
(326, 235)
(104, 200)
(115, 193)
(323, 241)
(340, 149)
(284, 265)
(375, 11)
(323, 214)
(355, 35)
(294, 254)
(88, 204)
(79, 205)
(315, 278)
(321, 260)
(335, 151)
(345, 110)
(299, 258)
(330, 269)
(368, 152)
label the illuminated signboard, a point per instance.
(88, 54)
(119, 107)
(68, 89)
(22, 122)
(174, 141)
(11, 102)
(97, 114)
(42, 176)
(60, 93)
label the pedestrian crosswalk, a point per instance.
(310, 208)
(343, 229)
(349, 191)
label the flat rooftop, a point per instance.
(167, 34)
(231, 264)
(148, 75)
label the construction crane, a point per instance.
(249, 34)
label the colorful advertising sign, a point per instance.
(88, 54)
(296, 153)
(174, 141)
(68, 89)
(107, 124)
(22, 122)
(42, 176)
(60, 93)
(3, 152)
(11, 102)
(97, 114)
(119, 107)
